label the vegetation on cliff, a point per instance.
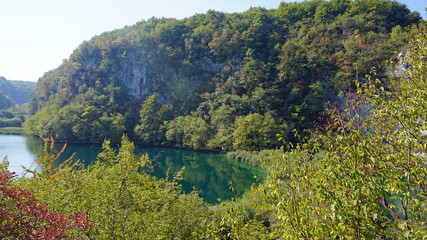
(219, 80)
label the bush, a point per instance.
(119, 196)
(10, 122)
(23, 217)
(254, 158)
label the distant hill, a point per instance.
(14, 92)
(5, 101)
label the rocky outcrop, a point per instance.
(133, 75)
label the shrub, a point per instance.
(22, 216)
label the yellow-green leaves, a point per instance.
(372, 181)
(48, 171)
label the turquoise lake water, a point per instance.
(209, 173)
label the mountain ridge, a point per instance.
(17, 91)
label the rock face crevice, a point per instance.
(142, 77)
(133, 76)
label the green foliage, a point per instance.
(371, 182)
(223, 120)
(23, 217)
(14, 92)
(259, 159)
(288, 61)
(4, 164)
(290, 195)
(121, 199)
(362, 176)
(90, 117)
(189, 131)
(5, 101)
(150, 129)
(256, 132)
(12, 130)
(10, 122)
(13, 117)
(233, 222)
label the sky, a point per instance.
(37, 35)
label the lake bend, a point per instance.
(209, 173)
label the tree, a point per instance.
(287, 61)
(22, 216)
(256, 132)
(293, 73)
(189, 131)
(151, 121)
(222, 119)
(119, 196)
(364, 177)
(5, 101)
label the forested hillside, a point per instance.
(219, 80)
(18, 92)
(5, 101)
(13, 94)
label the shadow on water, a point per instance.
(208, 173)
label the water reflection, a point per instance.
(210, 174)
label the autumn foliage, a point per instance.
(22, 216)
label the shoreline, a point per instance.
(139, 145)
(12, 131)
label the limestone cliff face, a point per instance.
(142, 78)
(176, 81)
(134, 76)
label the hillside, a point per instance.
(219, 80)
(5, 101)
(18, 92)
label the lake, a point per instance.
(208, 173)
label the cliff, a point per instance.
(278, 65)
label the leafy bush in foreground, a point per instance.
(22, 216)
(119, 196)
(372, 182)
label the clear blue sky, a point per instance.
(36, 35)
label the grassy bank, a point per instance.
(255, 158)
(12, 130)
